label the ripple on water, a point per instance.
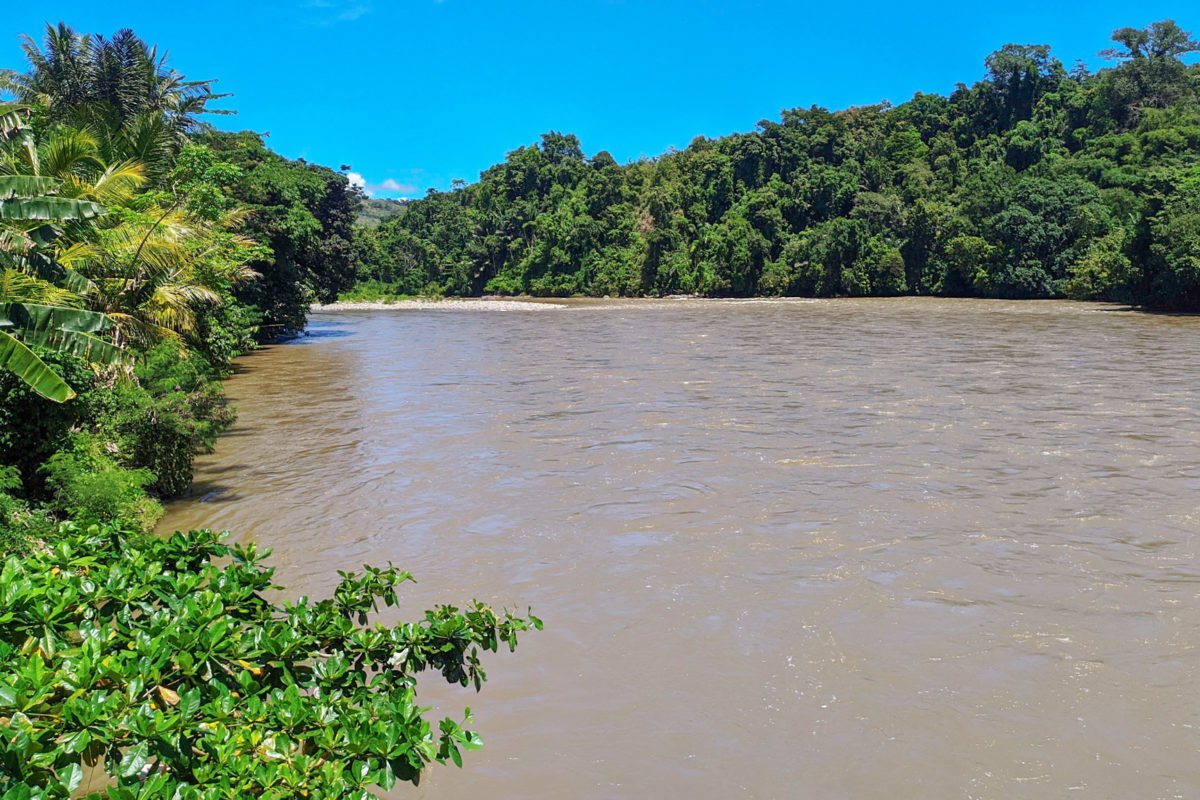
(870, 549)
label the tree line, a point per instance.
(1036, 181)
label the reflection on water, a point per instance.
(868, 549)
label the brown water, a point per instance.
(850, 549)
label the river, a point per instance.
(907, 548)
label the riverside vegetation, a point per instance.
(142, 251)
(1037, 181)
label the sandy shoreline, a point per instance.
(484, 304)
(457, 304)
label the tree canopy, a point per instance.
(1036, 181)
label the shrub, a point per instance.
(175, 410)
(226, 332)
(21, 527)
(33, 428)
(372, 291)
(161, 663)
(89, 485)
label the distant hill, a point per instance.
(374, 212)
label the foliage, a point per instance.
(117, 83)
(140, 253)
(87, 484)
(1035, 181)
(226, 332)
(16, 358)
(118, 232)
(21, 526)
(174, 410)
(304, 215)
(371, 291)
(34, 311)
(33, 428)
(161, 663)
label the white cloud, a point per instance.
(389, 186)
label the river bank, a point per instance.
(455, 304)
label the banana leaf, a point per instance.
(46, 268)
(66, 330)
(35, 317)
(24, 363)
(49, 208)
(91, 349)
(13, 186)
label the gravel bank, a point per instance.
(475, 304)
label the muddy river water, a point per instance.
(837, 549)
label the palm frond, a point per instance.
(118, 182)
(18, 286)
(70, 152)
(141, 331)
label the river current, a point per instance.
(871, 549)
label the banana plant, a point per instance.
(32, 199)
(18, 359)
(34, 311)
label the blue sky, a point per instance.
(415, 93)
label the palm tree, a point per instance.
(109, 84)
(74, 159)
(138, 276)
(151, 273)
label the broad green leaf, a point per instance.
(28, 186)
(49, 208)
(24, 363)
(81, 345)
(66, 330)
(46, 268)
(33, 316)
(190, 703)
(72, 777)
(135, 759)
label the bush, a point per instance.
(161, 663)
(226, 332)
(378, 292)
(33, 428)
(175, 410)
(89, 485)
(21, 527)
